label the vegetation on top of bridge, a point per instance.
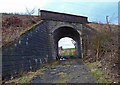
(14, 25)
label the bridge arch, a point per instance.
(66, 31)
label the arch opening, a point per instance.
(62, 32)
(67, 47)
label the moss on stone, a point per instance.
(23, 32)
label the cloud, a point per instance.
(66, 43)
(20, 5)
(114, 22)
(93, 9)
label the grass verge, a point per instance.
(98, 73)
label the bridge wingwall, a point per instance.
(27, 53)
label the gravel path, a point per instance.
(69, 71)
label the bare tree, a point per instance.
(30, 12)
(74, 43)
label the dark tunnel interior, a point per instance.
(66, 32)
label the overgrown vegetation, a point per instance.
(102, 49)
(99, 43)
(14, 24)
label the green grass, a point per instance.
(64, 54)
(98, 73)
(69, 49)
(70, 53)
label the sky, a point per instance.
(95, 10)
(66, 43)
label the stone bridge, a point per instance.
(39, 44)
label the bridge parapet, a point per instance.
(49, 15)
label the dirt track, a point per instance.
(70, 71)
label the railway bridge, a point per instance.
(39, 44)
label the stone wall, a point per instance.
(27, 53)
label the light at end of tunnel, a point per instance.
(66, 42)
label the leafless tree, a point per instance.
(30, 12)
(74, 43)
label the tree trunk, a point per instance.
(97, 54)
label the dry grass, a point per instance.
(102, 27)
(26, 77)
(109, 57)
(13, 25)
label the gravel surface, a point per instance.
(69, 71)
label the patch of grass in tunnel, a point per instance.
(68, 52)
(64, 54)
